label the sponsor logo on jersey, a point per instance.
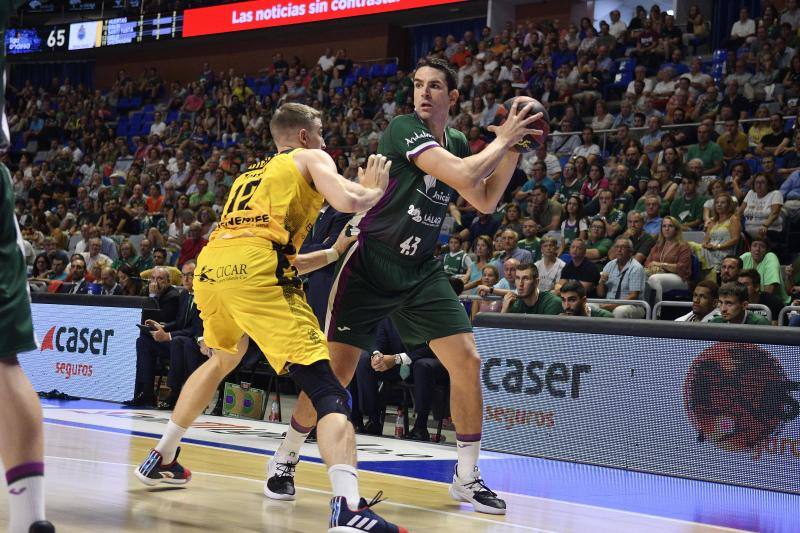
(417, 136)
(428, 220)
(233, 221)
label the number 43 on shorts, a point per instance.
(409, 246)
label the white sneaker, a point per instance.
(280, 480)
(473, 490)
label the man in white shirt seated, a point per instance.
(704, 303)
(742, 29)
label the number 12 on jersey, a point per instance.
(241, 195)
(409, 246)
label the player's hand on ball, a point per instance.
(525, 126)
(376, 174)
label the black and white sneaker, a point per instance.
(153, 471)
(42, 526)
(473, 490)
(280, 481)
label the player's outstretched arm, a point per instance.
(468, 176)
(344, 195)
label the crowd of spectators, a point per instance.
(113, 181)
(680, 182)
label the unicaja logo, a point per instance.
(739, 398)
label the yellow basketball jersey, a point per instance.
(273, 201)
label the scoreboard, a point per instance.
(129, 30)
(94, 33)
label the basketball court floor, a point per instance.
(93, 447)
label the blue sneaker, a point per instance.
(343, 520)
(152, 471)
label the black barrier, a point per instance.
(704, 401)
(86, 299)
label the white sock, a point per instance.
(168, 444)
(26, 503)
(344, 479)
(289, 450)
(468, 452)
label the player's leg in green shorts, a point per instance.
(21, 434)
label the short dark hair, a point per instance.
(712, 287)
(733, 288)
(529, 266)
(161, 250)
(690, 176)
(753, 274)
(739, 262)
(541, 188)
(443, 66)
(455, 236)
(759, 238)
(573, 285)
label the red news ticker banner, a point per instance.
(269, 13)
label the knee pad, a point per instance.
(332, 400)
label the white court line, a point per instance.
(318, 491)
(512, 494)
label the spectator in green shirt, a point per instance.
(768, 267)
(202, 196)
(733, 302)
(528, 299)
(707, 151)
(688, 208)
(573, 301)
(598, 245)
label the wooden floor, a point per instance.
(91, 488)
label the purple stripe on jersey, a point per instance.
(424, 148)
(24, 470)
(373, 213)
(341, 287)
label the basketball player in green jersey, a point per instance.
(390, 271)
(21, 434)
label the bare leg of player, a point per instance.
(280, 469)
(22, 449)
(161, 466)
(459, 355)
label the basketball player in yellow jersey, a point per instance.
(247, 289)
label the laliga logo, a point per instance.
(74, 340)
(738, 396)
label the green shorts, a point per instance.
(373, 282)
(15, 303)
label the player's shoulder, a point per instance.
(457, 136)
(409, 128)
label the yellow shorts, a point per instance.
(244, 286)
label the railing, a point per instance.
(668, 303)
(667, 127)
(785, 311)
(648, 312)
(638, 303)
